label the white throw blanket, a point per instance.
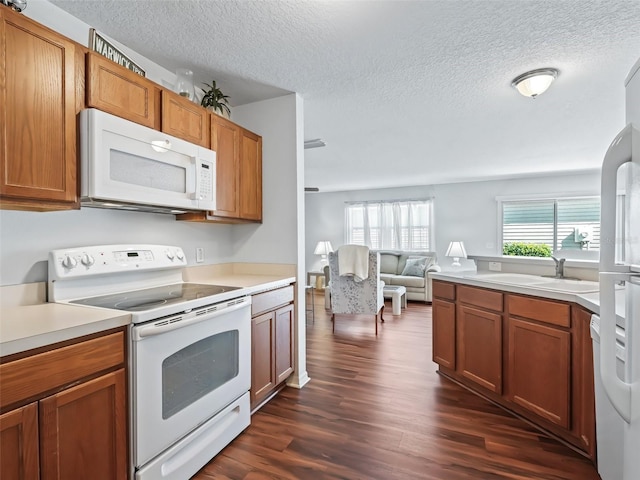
(354, 260)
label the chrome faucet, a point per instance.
(559, 266)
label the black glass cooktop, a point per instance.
(150, 298)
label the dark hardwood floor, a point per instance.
(376, 409)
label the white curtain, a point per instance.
(397, 225)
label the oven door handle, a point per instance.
(180, 321)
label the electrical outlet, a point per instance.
(495, 266)
(199, 255)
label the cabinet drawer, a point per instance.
(30, 376)
(480, 297)
(542, 310)
(443, 290)
(263, 302)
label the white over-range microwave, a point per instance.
(129, 166)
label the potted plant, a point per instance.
(215, 101)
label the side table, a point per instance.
(398, 295)
(317, 274)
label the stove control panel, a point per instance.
(105, 259)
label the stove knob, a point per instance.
(87, 260)
(180, 254)
(69, 262)
(170, 255)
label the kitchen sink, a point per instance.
(511, 278)
(565, 285)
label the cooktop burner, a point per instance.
(150, 298)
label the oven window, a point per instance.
(196, 370)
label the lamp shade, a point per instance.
(457, 251)
(323, 247)
(533, 83)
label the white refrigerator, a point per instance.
(616, 341)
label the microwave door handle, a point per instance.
(619, 153)
(197, 195)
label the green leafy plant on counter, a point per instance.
(214, 99)
(523, 249)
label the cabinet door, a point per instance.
(250, 176)
(539, 361)
(479, 345)
(84, 431)
(225, 140)
(184, 119)
(583, 403)
(19, 444)
(262, 367)
(38, 114)
(121, 92)
(444, 333)
(283, 349)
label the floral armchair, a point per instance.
(349, 297)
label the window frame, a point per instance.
(430, 221)
(501, 200)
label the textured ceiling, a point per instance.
(405, 92)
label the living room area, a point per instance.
(455, 212)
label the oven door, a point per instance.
(187, 368)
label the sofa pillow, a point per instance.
(416, 266)
(388, 263)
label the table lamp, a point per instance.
(456, 251)
(323, 248)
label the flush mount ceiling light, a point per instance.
(533, 83)
(315, 143)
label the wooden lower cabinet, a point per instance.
(83, 430)
(262, 367)
(74, 424)
(444, 333)
(583, 403)
(539, 369)
(283, 343)
(19, 444)
(272, 327)
(479, 346)
(531, 355)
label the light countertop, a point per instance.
(588, 300)
(32, 323)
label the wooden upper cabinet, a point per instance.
(250, 176)
(38, 106)
(121, 92)
(238, 175)
(225, 140)
(184, 119)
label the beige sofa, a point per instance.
(392, 264)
